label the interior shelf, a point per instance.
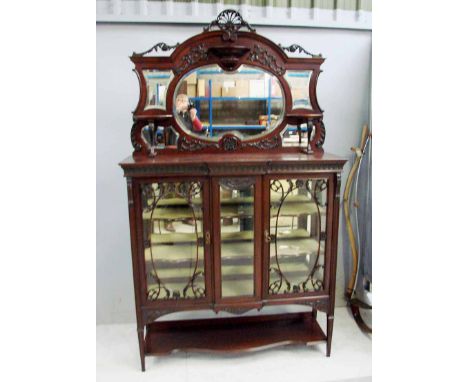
(226, 237)
(227, 211)
(301, 248)
(232, 334)
(169, 202)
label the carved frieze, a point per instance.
(262, 56)
(231, 167)
(196, 54)
(191, 144)
(269, 143)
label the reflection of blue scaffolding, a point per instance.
(156, 91)
(210, 99)
(210, 127)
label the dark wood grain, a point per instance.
(250, 49)
(263, 160)
(232, 334)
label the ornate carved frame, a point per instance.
(229, 48)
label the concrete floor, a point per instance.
(351, 359)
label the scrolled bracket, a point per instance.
(160, 45)
(295, 47)
(318, 140)
(136, 129)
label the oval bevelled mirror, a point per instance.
(209, 102)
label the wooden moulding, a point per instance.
(232, 334)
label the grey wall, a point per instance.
(343, 93)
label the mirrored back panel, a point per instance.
(299, 81)
(157, 82)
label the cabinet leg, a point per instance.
(141, 342)
(330, 319)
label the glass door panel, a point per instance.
(298, 210)
(174, 246)
(237, 236)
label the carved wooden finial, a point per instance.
(229, 21)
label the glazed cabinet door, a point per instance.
(296, 227)
(237, 245)
(176, 239)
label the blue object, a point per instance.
(210, 108)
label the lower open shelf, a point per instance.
(232, 334)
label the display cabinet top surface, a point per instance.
(295, 161)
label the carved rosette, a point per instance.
(230, 143)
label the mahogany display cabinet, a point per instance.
(233, 203)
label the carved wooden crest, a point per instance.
(228, 44)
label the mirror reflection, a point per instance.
(299, 81)
(157, 82)
(295, 136)
(210, 102)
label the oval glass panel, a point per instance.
(157, 82)
(210, 102)
(299, 81)
(298, 209)
(173, 240)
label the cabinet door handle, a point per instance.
(267, 236)
(207, 238)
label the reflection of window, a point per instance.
(299, 81)
(157, 83)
